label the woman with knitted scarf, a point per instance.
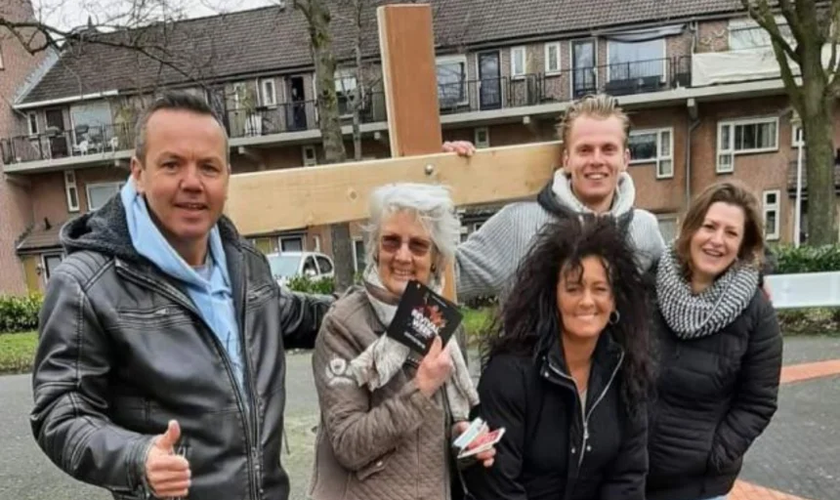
(718, 346)
(387, 415)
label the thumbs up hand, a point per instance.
(168, 474)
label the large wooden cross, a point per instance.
(267, 201)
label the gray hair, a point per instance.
(177, 101)
(433, 206)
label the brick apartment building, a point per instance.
(698, 78)
(16, 68)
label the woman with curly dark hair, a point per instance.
(567, 373)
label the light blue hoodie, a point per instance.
(209, 287)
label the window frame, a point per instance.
(731, 149)
(547, 59)
(660, 158)
(663, 74)
(281, 239)
(70, 184)
(772, 207)
(119, 185)
(480, 144)
(514, 75)
(273, 94)
(307, 162)
(460, 59)
(797, 130)
(356, 241)
(32, 120)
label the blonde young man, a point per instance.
(593, 179)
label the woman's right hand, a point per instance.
(434, 370)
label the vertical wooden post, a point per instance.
(406, 40)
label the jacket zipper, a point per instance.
(586, 414)
(175, 295)
(255, 471)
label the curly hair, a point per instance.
(530, 320)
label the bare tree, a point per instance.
(318, 19)
(813, 26)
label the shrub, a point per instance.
(304, 284)
(18, 314)
(807, 259)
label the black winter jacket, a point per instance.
(715, 395)
(123, 350)
(550, 450)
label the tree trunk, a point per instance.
(330, 125)
(818, 125)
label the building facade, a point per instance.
(699, 82)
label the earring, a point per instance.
(434, 268)
(615, 317)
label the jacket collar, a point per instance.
(606, 359)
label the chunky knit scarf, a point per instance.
(691, 315)
(382, 359)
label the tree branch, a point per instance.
(59, 40)
(763, 16)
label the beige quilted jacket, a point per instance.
(387, 444)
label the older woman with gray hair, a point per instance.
(387, 414)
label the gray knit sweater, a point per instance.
(487, 261)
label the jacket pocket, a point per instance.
(152, 318)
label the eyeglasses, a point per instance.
(418, 247)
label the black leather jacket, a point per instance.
(123, 350)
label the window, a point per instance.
(291, 244)
(49, 262)
(451, 81)
(92, 128)
(653, 146)
(99, 194)
(358, 255)
(796, 136)
(517, 62)
(269, 92)
(771, 214)
(747, 34)
(309, 268)
(743, 137)
(552, 58)
(482, 137)
(345, 85)
(32, 122)
(667, 227)
(631, 60)
(324, 264)
(310, 157)
(71, 191)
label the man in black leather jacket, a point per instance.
(160, 370)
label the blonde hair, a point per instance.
(596, 105)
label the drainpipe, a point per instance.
(691, 105)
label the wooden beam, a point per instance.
(406, 42)
(263, 202)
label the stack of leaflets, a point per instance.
(421, 315)
(478, 438)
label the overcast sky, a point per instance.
(67, 14)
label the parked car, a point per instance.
(313, 265)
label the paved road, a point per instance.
(798, 454)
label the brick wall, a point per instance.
(15, 208)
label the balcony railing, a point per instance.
(490, 93)
(55, 144)
(485, 94)
(297, 116)
(635, 77)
